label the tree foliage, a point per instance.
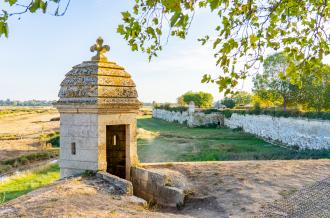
(242, 98)
(201, 99)
(17, 8)
(228, 102)
(315, 91)
(180, 101)
(245, 30)
(274, 83)
(274, 87)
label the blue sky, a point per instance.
(41, 49)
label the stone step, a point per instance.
(122, 185)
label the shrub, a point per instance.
(228, 102)
(24, 159)
(279, 113)
(209, 111)
(52, 138)
(169, 108)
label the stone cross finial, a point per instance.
(100, 49)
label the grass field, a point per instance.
(175, 142)
(17, 111)
(19, 185)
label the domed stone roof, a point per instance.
(100, 82)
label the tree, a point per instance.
(201, 99)
(242, 98)
(245, 30)
(315, 91)
(274, 83)
(181, 101)
(228, 102)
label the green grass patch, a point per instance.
(8, 164)
(52, 138)
(179, 143)
(19, 185)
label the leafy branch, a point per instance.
(33, 6)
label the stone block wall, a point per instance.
(81, 129)
(301, 132)
(191, 119)
(152, 186)
(305, 133)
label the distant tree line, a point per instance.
(9, 102)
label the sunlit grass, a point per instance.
(179, 143)
(18, 185)
(14, 111)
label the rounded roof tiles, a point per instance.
(98, 82)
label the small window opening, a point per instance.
(114, 140)
(73, 148)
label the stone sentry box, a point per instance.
(98, 107)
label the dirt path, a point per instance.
(27, 128)
(242, 188)
(219, 189)
(77, 198)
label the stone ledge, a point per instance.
(152, 186)
(124, 186)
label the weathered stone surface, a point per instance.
(138, 201)
(291, 131)
(300, 132)
(153, 186)
(122, 185)
(96, 94)
(99, 83)
(190, 118)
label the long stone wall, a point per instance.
(300, 132)
(191, 119)
(291, 131)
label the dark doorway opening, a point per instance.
(116, 150)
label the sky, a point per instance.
(41, 49)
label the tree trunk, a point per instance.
(284, 103)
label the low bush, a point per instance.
(5, 168)
(278, 113)
(24, 159)
(170, 108)
(52, 138)
(210, 111)
(255, 111)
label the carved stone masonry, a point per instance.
(98, 106)
(100, 49)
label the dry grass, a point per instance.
(242, 188)
(79, 197)
(218, 189)
(21, 129)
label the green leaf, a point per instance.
(11, 2)
(120, 29)
(3, 29)
(216, 42)
(175, 18)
